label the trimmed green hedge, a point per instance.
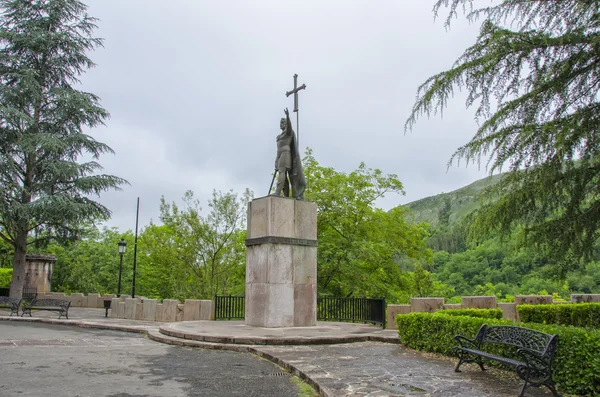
(576, 314)
(576, 365)
(481, 313)
(5, 277)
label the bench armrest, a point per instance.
(534, 360)
(466, 342)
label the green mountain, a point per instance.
(457, 203)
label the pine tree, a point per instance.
(44, 189)
(533, 76)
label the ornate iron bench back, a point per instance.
(539, 342)
(49, 302)
(6, 299)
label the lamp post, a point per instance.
(122, 247)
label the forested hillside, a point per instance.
(502, 265)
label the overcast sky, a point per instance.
(196, 89)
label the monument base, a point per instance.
(281, 263)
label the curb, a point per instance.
(78, 323)
(162, 338)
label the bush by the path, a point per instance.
(5, 277)
(576, 367)
(576, 314)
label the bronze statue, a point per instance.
(288, 163)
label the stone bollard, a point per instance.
(92, 300)
(532, 300)
(130, 308)
(428, 305)
(393, 311)
(149, 309)
(585, 298)
(191, 310)
(170, 310)
(160, 312)
(509, 311)
(479, 302)
(207, 310)
(76, 299)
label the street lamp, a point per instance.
(122, 247)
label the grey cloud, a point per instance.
(196, 90)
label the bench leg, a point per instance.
(522, 392)
(466, 360)
(552, 389)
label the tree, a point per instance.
(533, 75)
(360, 244)
(44, 190)
(211, 246)
(91, 264)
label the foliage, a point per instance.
(5, 277)
(44, 190)
(533, 75)
(162, 270)
(92, 263)
(360, 244)
(211, 246)
(576, 314)
(576, 367)
(481, 313)
(6, 254)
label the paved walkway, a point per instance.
(375, 365)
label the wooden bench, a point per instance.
(10, 303)
(53, 305)
(534, 348)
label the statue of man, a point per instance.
(288, 162)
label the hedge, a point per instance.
(482, 313)
(576, 366)
(5, 277)
(576, 314)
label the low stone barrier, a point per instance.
(509, 309)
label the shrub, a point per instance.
(576, 365)
(481, 313)
(576, 314)
(5, 277)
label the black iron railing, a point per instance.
(28, 293)
(362, 310)
(229, 307)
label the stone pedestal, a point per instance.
(281, 263)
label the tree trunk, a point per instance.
(18, 278)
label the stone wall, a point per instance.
(141, 308)
(509, 310)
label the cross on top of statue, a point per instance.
(295, 92)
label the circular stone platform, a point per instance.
(237, 332)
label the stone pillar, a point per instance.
(531, 300)
(585, 298)
(393, 311)
(479, 302)
(428, 305)
(509, 311)
(38, 272)
(281, 263)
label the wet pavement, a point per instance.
(55, 360)
(374, 365)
